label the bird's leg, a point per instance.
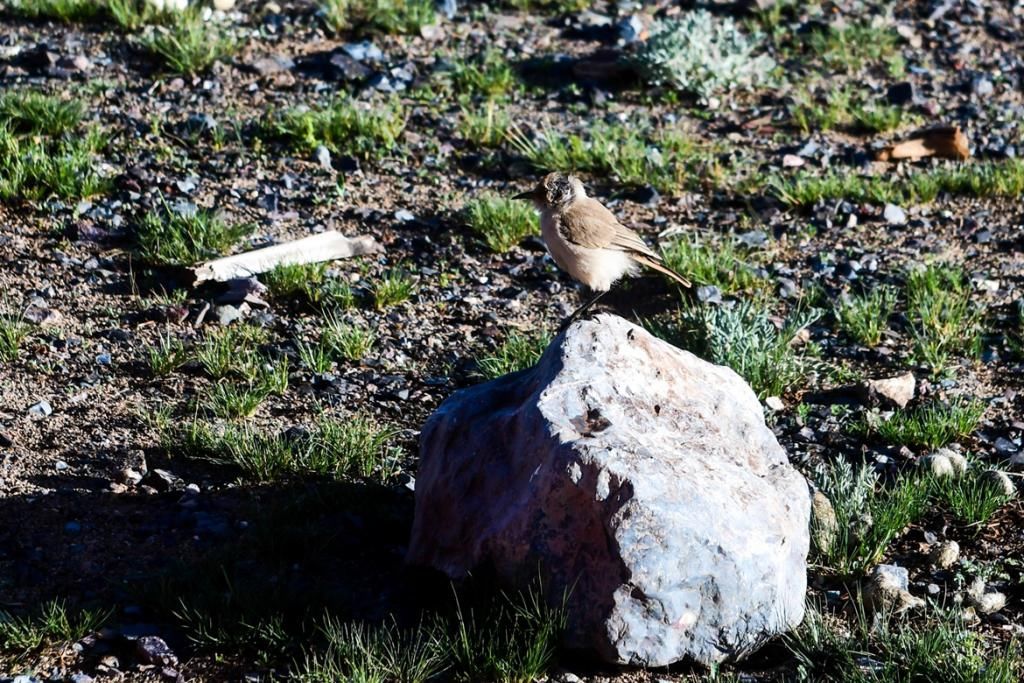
(580, 311)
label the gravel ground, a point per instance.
(78, 404)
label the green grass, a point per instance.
(316, 356)
(167, 355)
(231, 351)
(13, 332)
(862, 649)
(944, 321)
(65, 11)
(393, 287)
(930, 426)
(721, 264)
(189, 45)
(230, 401)
(980, 179)
(488, 75)
(343, 126)
(634, 154)
(131, 15)
(360, 652)
(502, 223)
(869, 516)
(840, 110)
(297, 280)
(547, 6)
(35, 113)
(485, 127)
(50, 623)
(851, 48)
(34, 167)
(745, 338)
(513, 640)
(518, 352)
(865, 317)
(972, 498)
(167, 237)
(384, 16)
(346, 340)
(356, 446)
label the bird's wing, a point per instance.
(589, 224)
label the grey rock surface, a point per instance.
(633, 473)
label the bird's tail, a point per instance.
(660, 266)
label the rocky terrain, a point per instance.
(214, 482)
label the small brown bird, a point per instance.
(586, 240)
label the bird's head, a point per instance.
(554, 190)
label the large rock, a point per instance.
(637, 475)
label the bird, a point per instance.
(587, 241)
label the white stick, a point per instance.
(326, 246)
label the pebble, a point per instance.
(322, 156)
(153, 650)
(60, 465)
(709, 294)
(894, 215)
(41, 409)
(945, 554)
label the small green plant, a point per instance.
(932, 425)
(346, 340)
(848, 49)
(34, 167)
(35, 113)
(305, 280)
(944, 321)
(65, 11)
(986, 179)
(359, 652)
(942, 648)
(518, 352)
(515, 639)
(636, 155)
(865, 317)
(189, 44)
(720, 264)
(13, 332)
(344, 126)
(385, 16)
(317, 356)
(354, 446)
(972, 497)
(231, 351)
(868, 516)
(744, 338)
(501, 222)
(489, 75)
(131, 15)
(392, 288)
(165, 236)
(167, 355)
(52, 623)
(486, 128)
(231, 401)
(702, 53)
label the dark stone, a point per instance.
(900, 93)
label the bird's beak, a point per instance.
(526, 195)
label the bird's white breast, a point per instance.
(598, 269)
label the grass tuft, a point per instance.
(174, 238)
(34, 167)
(343, 126)
(35, 113)
(392, 288)
(501, 222)
(745, 338)
(345, 340)
(518, 352)
(52, 622)
(167, 355)
(972, 498)
(297, 280)
(930, 426)
(868, 515)
(13, 332)
(65, 11)
(189, 44)
(865, 317)
(944, 321)
(384, 16)
(720, 264)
